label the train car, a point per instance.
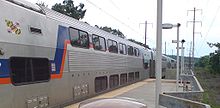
(171, 63)
(152, 70)
(48, 59)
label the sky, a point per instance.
(129, 15)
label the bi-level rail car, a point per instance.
(48, 59)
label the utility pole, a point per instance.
(172, 53)
(165, 48)
(194, 21)
(145, 34)
(145, 31)
(190, 50)
(194, 18)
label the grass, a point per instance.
(170, 74)
(211, 85)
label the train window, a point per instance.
(112, 46)
(122, 49)
(136, 52)
(35, 30)
(95, 40)
(123, 79)
(99, 43)
(164, 58)
(113, 81)
(101, 83)
(102, 43)
(79, 38)
(130, 50)
(131, 76)
(137, 75)
(29, 70)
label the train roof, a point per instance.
(27, 5)
(69, 21)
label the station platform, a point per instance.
(143, 91)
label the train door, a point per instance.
(152, 66)
(146, 61)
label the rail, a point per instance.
(189, 97)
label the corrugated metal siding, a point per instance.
(87, 61)
(93, 60)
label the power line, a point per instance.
(113, 3)
(150, 40)
(210, 26)
(121, 13)
(112, 16)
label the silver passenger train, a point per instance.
(51, 60)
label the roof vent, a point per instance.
(35, 30)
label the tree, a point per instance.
(203, 61)
(68, 8)
(215, 58)
(146, 46)
(42, 4)
(116, 32)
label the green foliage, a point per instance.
(116, 32)
(215, 58)
(211, 88)
(214, 44)
(203, 61)
(42, 4)
(211, 62)
(215, 62)
(68, 8)
(132, 40)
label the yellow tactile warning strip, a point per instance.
(122, 90)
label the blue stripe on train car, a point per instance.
(4, 68)
(62, 36)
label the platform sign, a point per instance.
(167, 26)
(174, 41)
(180, 47)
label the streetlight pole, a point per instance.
(182, 57)
(177, 67)
(170, 26)
(158, 51)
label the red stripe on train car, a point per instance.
(5, 80)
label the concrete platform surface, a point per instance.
(143, 91)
